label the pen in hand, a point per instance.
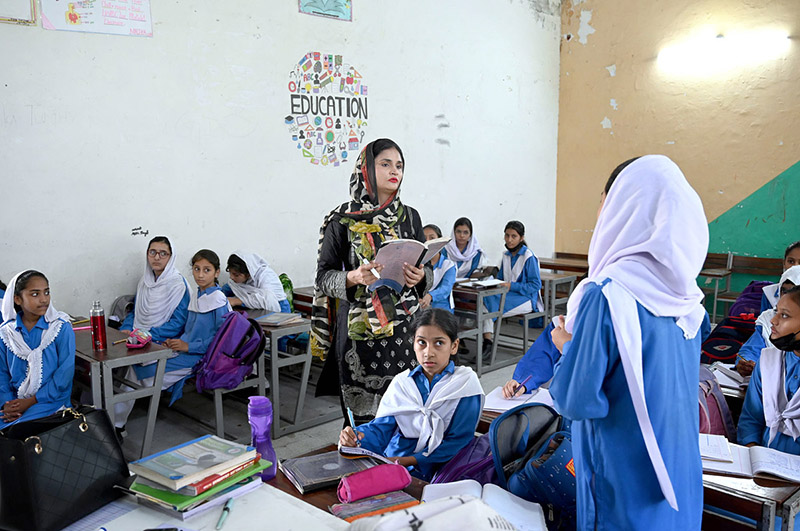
(521, 386)
(372, 270)
(353, 424)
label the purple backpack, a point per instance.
(474, 461)
(750, 299)
(230, 357)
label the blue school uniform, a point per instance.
(58, 369)
(382, 436)
(751, 349)
(616, 483)
(440, 293)
(525, 287)
(172, 328)
(200, 331)
(285, 307)
(752, 427)
(465, 268)
(538, 362)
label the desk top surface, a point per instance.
(83, 348)
(715, 272)
(778, 494)
(544, 275)
(565, 264)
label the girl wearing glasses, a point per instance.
(162, 297)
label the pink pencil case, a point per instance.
(373, 481)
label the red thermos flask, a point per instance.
(98, 319)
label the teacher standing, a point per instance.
(368, 336)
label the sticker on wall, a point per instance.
(327, 108)
(338, 9)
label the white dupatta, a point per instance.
(765, 319)
(427, 421)
(651, 239)
(780, 414)
(157, 298)
(263, 289)
(463, 260)
(14, 341)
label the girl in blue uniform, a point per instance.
(254, 284)
(207, 307)
(464, 249)
(771, 411)
(628, 375)
(428, 413)
(162, 296)
(37, 351)
(520, 269)
(751, 349)
(444, 276)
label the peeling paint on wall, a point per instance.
(545, 7)
(606, 123)
(585, 30)
(612, 70)
(613, 103)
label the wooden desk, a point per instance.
(303, 299)
(716, 274)
(102, 365)
(463, 297)
(324, 498)
(564, 264)
(726, 493)
(550, 284)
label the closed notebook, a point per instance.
(322, 470)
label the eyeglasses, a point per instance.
(154, 253)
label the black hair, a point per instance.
(238, 265)
(791, 248)
(518, 227)
(783, 291)
(439, 318)
(22, 283)
(209, 255)
(463, 221)
(383, 144)
(793, 294)
(616, 172)
(3, 285)
(160, 239)
(434, 228)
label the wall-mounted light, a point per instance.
(710, 53)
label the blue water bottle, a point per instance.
(259, 414)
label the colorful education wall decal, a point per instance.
(338, 9)
(328, 109)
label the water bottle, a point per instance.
(98, 319)
(259, 414)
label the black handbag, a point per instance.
(56, 470)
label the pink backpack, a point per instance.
(715, 417)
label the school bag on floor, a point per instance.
(715, 416)
(727, 338)
(230, 357)
(532, 451)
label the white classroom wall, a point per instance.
(183, 134)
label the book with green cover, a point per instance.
(181, 502)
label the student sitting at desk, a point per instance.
(464, 250)
(771, 410)
(207, 307)
(520, 270)
(750, 351)
(162, 296)
(254, 284)
(37, 351)
(444, 276)
(791, 258)
(429, 413)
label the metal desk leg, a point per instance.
(108, 391)
(479, 311)
(298, 408)
(97, 394)
(153, 410)
(276, 399)
(262, 376)
(497, 325)
(716, 293)
(789, 512)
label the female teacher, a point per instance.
(368, 336)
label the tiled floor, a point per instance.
(174, 427)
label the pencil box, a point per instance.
(373, 481)
(138, 339)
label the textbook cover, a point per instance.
(322, 470)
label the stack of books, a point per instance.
(193, 477)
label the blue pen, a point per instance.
(353, 424)
(225, 511)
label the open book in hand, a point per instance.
(357, 452)
(524, 515)
(756, 462)
(394, 253)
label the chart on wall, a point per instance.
(338, 9)
(117, 17)
(328, 109)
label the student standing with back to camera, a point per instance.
(629, 371)
(369, 339)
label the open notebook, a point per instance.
(752, 462)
